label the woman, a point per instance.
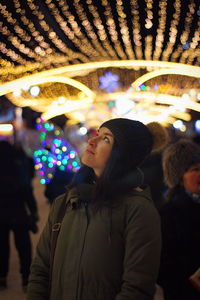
(179, 272)
(108, 247)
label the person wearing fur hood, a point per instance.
(179, 273)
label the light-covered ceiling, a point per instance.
(64, 47)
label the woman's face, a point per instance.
(98, 150)
(191, 179)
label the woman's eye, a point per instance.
(106, 139)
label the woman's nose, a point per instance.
(93, 140)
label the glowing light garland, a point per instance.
(88, 27)
(76, 29)
(68, 70)
(148, 25)
(6, 129)
(124, 29)
(144, 78)
(44, 47)
(173, 31)
(136, 28)
(160, 30)
(99, 30)
(80, 43)
(112, 28)
(51, 106)
(55, 153)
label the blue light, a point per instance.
(197, 126)
(109, 82)
(186, 46)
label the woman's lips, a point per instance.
(89, 151)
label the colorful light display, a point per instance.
(55, 152)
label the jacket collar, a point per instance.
(134, 179)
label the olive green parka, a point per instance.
(109, 254)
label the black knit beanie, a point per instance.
(134, 140)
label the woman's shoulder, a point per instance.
(140, 210)
(58, 200)
(57, 203)
(139, 196)
(140, 202)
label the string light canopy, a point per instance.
(84, 39)
(37, 35)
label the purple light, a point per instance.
(109, 82)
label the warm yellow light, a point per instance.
(167, 99)
(75, 70)
(13, 85)
(147, 102)
(182, 115)
(67, 107)
(152, 98)
(6, 129)
(78, 116)
(181, 71)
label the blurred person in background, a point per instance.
(180, 219)
(58, 184)
(18, 209)
(153, 176)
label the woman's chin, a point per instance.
(85, 161)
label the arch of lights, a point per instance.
(53, 107)
(74, 70)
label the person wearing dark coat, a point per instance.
(18, 210)
(180, 222)
(108, 246)
(153, 176)
(58, 183)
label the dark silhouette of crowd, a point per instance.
(18, 209)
